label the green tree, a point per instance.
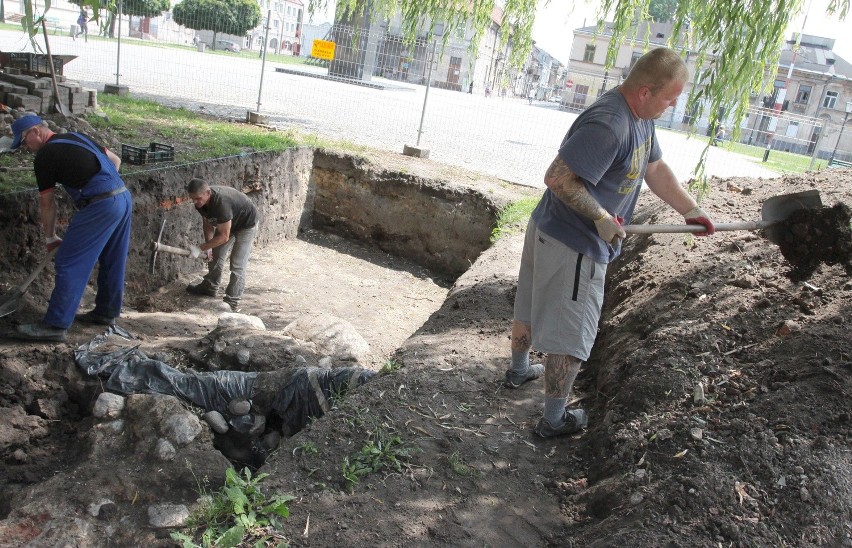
(145, 8)
(225, 16)
(662, 11)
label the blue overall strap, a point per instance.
(105, 180)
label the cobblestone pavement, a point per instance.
(506, 138)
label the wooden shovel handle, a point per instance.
(157, 246)
(720, 227)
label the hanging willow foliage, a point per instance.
(421, 17)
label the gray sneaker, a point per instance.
(573, 421)
(515, 380)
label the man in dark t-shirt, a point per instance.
(99, 232)
(229, 225)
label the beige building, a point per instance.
(811, 116)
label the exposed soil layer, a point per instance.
(813, 236)
(718, 394)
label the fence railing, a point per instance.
(501, 133)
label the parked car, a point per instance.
(227, 45)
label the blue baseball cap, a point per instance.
(22, 124)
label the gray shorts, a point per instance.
(560, 294)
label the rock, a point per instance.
(165, 451)
(301, 360)
(20, 456)
(243, 356)
(696, 433)
(233, 319)
(108, 406)
(50, 409)
(664, 434)
(239, 408)
(219, 346)
(787, 327)
(333, 336)
(325, 362)
(636, 498)
(698, 394)
(163, 516)
(103, 509)
(745, 281)
(216, 421)
(182, 428)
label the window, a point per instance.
(589, 55)
(275, 23)
(803, 95)
(830, 100)
(792, 129)
(635, 57)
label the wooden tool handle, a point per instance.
(37, 270)
(720, 227)
(169, 249)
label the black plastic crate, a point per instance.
(156, 152)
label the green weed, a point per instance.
(383, 452)
(458, 466)
(238, 512)
(390, 366)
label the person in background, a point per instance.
(82, 24)
(229, 226)
(99, 232)
(576, 229)
(719, 137)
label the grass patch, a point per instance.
(390, 366)
(382, 452)
(781, 162)
(239, 512)
(513, 218)
(458, 466)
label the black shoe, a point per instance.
(572, 421)
(201, 289)
(235, 307)
(40, 332)
(93, 318)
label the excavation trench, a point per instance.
(351, 258)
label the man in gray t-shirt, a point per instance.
(229, 225)
(575, 230)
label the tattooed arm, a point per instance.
(569, 188)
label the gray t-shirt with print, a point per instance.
(609, 148)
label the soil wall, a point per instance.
(439, 225)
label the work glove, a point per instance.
(697, 216)
(609, 228)
(194, 251)
(52, 242)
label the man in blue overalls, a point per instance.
(98, 233)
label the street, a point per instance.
(503, 137)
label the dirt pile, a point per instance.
(814, 236)
(718, 398)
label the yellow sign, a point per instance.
(323, 49)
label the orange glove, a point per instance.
(697, 216)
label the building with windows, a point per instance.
(811, 114)
(285, 27)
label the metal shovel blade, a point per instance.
(779, 208)
(774, 210)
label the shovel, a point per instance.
(9, 303)
(774, 210)
(57, 100)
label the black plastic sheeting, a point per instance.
(130, 371)
(306, 392)
(309, 391)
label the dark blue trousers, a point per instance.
(98, 233)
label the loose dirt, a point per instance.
(718, 395)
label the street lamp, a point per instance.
(839, 135)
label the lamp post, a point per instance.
(839, 135)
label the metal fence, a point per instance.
(381, 92)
